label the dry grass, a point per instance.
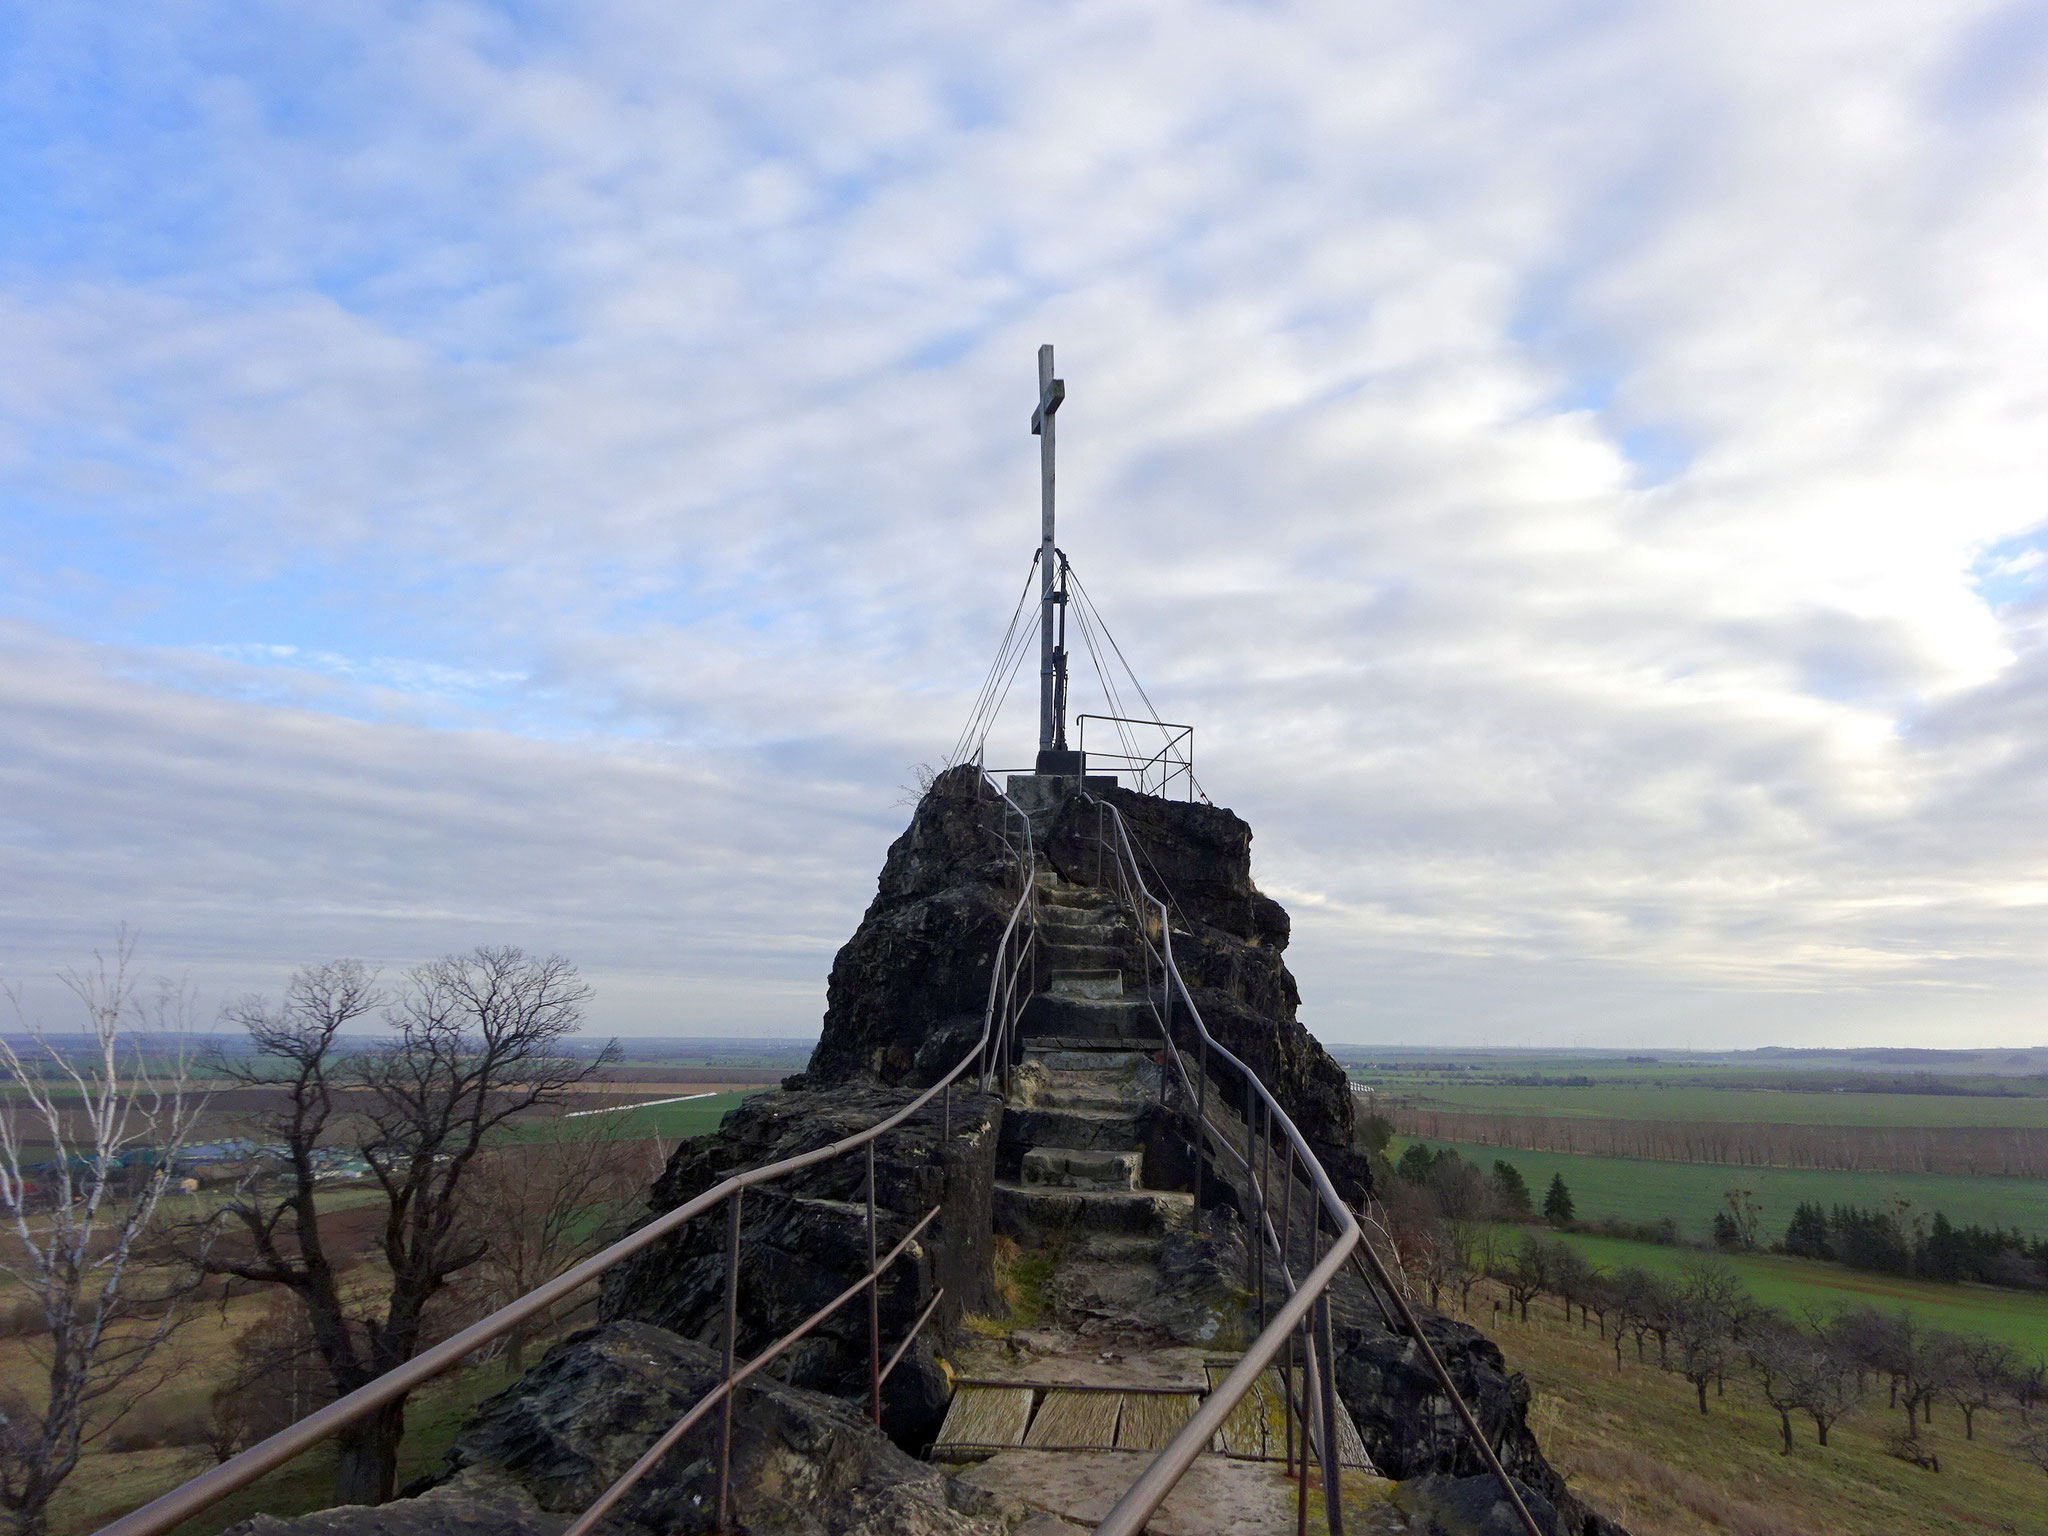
(1634, 1445)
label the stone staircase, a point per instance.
(1059, 1418)
(1072, 1130)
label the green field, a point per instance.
(2018, 1317)
(691, 1119)
(1723, 1104)
(1690, 1193)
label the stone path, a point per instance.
(1141, 1322)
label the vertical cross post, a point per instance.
(1051, 391)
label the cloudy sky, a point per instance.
(548, 473)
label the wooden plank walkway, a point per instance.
(985, 1418)
(982, 1418)
(1076, 1421)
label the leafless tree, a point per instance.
(1524, 1274)
(549, 1201)
(88, 1135)
(478, 1040)
(1706, 1323)
(1980, 1374)
(1777, 1355)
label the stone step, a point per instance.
(1096, 982)
(1078, 1129)
(1065, 1168)
(1057, 1057)
(1024, 1211)
(1087, 1018)
(1082, 957)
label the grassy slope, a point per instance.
(1690, 1193)
(1734, 1104)
(1634, 1444)
(2018, 1317)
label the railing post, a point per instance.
(874, 1305)
(732, 1323)
(1333, 1462)
(1201, 1116)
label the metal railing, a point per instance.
(1293, 1311)
(1168, 773)
(1294, 1319)
(1297, 1323)
(989, 1057)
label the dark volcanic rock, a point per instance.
(1470, 1506)
(804, 1239)
(537, 1455)
(1409, 1426)
(909, 991)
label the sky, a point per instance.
(550, 474)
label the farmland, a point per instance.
(1641, 1190)
(1633, 1444)
(1795, 1285)
(1726, 1105)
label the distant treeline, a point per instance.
(1940, 1250)
(2000, 1151)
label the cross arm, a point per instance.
(1055, 392)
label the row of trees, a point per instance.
(1441, 1222)
(1893, 1243)
(472, 1041)
(1999, 1151)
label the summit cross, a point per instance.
(1052, 725)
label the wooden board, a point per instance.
(1152, 1419)
(1076, 1421)
(984, 1417)
(1244, 1432)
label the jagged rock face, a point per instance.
(1228, 940)
(1412, 1431)
(804, 1239)
(538, 1454)
(909, 991)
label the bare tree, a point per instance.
(1524, 1274)
(1980, 1373)
(1776, 1355)
(551, 1200)
(1706, 1323)
(478, 1041)
(88, 1136)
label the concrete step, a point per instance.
(1087, 1018)
(1065, 1168)
(1099, 982)
(1077, 1129)
(1024, 1211)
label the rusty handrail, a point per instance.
(1130, 1513)
(168, 1510)
(1144, 1496)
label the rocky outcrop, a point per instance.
(539, 1454)
(1229, 940)
(909, 991)
(1413, 1433)
(804, 1240)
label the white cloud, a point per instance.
(1558, 461)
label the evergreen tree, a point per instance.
(1557, 1202)
(1727, 1235)
(1807, 1236)
(1509, 1190)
